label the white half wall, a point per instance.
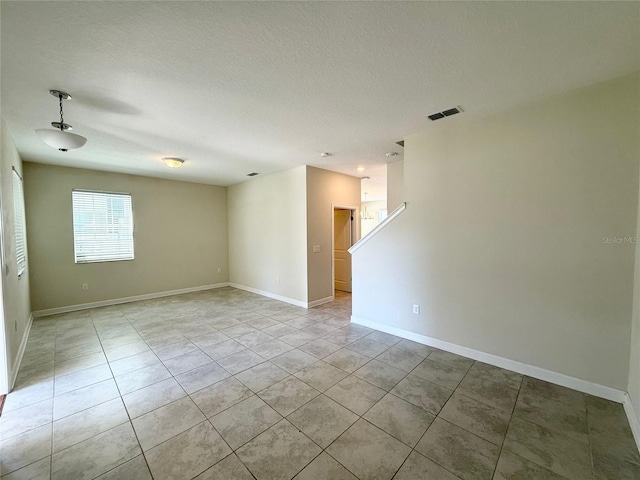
(513, 240)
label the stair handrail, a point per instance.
(397, 211)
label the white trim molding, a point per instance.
(264, 293)
(399, 209)
(632, 416)
(117, 301)
(513, 365)
(15, 368)
(292, 301)
(321, 301)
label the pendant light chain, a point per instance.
(60, 138)
(61, 119)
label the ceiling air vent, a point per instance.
(252, 174)
(401, 143)
(445, 113)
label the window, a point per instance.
(102, 226)
(20, 229)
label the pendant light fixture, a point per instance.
(61, 138)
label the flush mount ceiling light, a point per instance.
(391, 154)
(61, 138)
(360, 168)
(173, 162)
(325, 154)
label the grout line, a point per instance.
(593, 467)
(453, 391)
(413, 449)
(504, 439)
(55, 343)
(297, 347)
(125, 408)
(51, 453)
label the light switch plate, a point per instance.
(316, 249)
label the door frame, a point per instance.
(355, 236)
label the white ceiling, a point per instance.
(238, 87)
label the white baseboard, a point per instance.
(634, 420)
(513, 365)
(264, 293)
(150, 296)
(23, 346)
(117, 301)
(321, 301)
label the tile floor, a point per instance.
(229, 385)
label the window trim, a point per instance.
(19, 221)
(73, 230)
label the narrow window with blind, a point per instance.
(102, 226)
(19, 221)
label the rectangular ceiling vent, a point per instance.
(252, 174)
(444, 113)
(401, 143)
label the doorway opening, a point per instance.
(344, 236)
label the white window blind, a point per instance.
(20, 229)
(102, 226)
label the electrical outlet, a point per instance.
(219, 270)
(416, 309)
(85, 286)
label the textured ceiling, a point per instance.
(239, 87)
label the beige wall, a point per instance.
(180, 237)
(17, 307)
(324, 190)
(502, 240)
(633, 386)
(395, 185)
(267, 234)
(634, 359)
(275, 220)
